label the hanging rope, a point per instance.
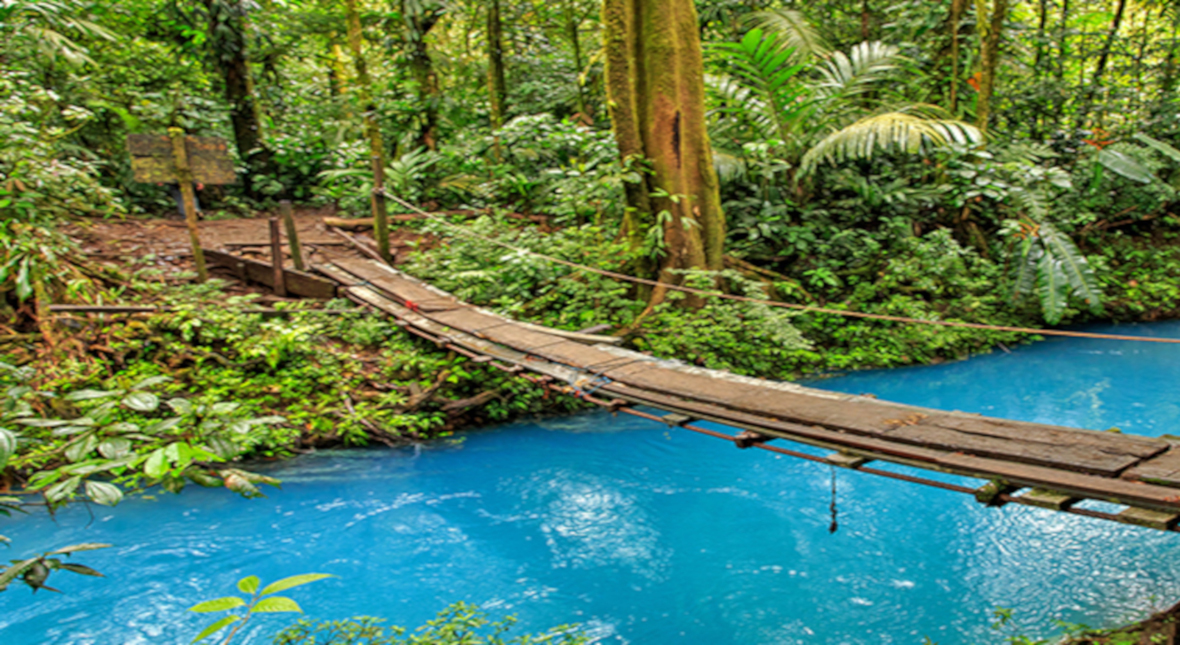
(774, 303)
(832, 507)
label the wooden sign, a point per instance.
(153, 161)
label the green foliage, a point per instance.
(258, 601)
(35, 571)
(97, 443)
(459, 624)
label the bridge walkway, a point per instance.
(1025, 463)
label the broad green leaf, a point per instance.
(1159, 146)
(142, 401)
(225, 408)
(294, 581)
(162, 425)
(276, 605)
(156, 465)
(180, 406)
(211, 629)
(87, 395)
(103, 493)
(151, 381)
(114, 448)
(220, 604)
(62, 490)
(14, 571)
(1125, 165)
(81, 447)
(7, 446)
(122, 426)
(248, 584)
(65, 431)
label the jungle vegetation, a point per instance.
(996, 162)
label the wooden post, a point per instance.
(276, 257)
(380, 214)
(184, 177)
(292, 234)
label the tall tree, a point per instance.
(655, 86)
(372, 126)
(990, 31)
(420, 18)
(228, 47)
(497, 88)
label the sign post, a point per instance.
(182, 160)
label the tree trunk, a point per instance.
(655, 86)
(227, 37)
(953, 25)
(372, 128)
(572, 27)
(497, 88)
(419, 21)
(865, 16)
(989, 56)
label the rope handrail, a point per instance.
(775, 303)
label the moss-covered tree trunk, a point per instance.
(497, 87)
(655, 87)
(990, 31)
(419, 20)
(227, 38)
(372, 128)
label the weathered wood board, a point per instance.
(152, 161)
(298, 283)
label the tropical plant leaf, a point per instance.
(294, 581)
(7, 446)
(1073, 266)
(276, 604)
(899, 131)
(867, 64)
(87, 395)
(75, 548)
(103, 493)
(142, 401)
(249, 584)
(792, 31)
(1052, 287)
(215, 627)
(1159, 146)
(219, 604)
(1125, 165)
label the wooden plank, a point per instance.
(1048, 499)
(298, 282)
(845, 460)
(402, 290)
(1163, 469)
(209, 160)
(1161, 520)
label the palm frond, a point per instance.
(853, 73)
(1072, 265)
(903, 131)
(736, 106)
(766, 73)
(791, 31)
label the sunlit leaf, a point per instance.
(220, 604)
(211, 629)
(294, 581)
(249, 584)
(276, 604)
(142, 401)
(103, 493)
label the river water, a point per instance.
(643, 534)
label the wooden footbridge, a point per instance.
(1023, 463)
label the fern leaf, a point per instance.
(1052, 288)
(1074, 268)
